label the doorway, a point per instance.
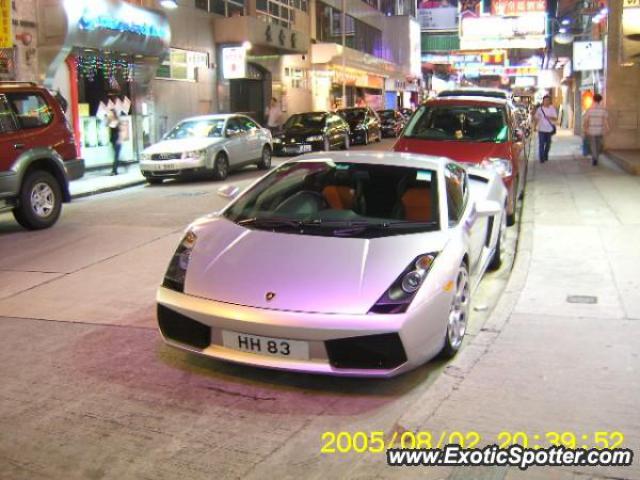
(250, 95)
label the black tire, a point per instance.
(511, 217)
(39, 201)
(449, 350)
(496, 260)
(346, 144)
(265, 159)
(154, 180)
(366, 138)
(221, 167)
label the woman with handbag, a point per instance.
(544, 120)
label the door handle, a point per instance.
(18, 146)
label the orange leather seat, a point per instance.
(339, 197)
(416, 203)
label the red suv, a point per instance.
(471, 130)
(38, 155)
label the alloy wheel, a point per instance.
(459, 312)
(43, 199)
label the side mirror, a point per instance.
(488, 208)
(229, 192)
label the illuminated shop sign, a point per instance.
(234, 62)
(525, 31)
(588, 56)
(517, 7)
(117, 26)
(92, 21)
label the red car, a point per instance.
(471, 130)
(37, 155)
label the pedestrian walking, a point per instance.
(595, 124)
(544, 120)
(274, 116)
(113, 122)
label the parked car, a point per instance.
(364, 124)
(210, 145)
(392, 122)
(313, 131)
(478, 130)
(346, 263)
(38, 155)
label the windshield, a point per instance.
(320, 197)
(387, 114)
(353, 115)
(306, 120)
(461, 123)
(197, 128)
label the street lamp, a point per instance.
(169, 4)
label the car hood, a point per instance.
(182, 145)
(473, 152)
(295, 132)
(306, 273)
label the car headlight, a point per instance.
(195, 154)
(277, 140)
(502, 166)
(360, 127)
(315, 138)
(399, 296)
(145, 156)
(177, 271)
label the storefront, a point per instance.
(105, 62)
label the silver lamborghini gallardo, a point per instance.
(355, 264)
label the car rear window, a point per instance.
(31, 109)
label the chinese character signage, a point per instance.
(631, 31)
(234, 62)
(587, 56)
(438, 14)
(517, 7)
(6, 36)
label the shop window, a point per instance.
(182, 65)
(261, 5)
(274, 9)
(31, 110)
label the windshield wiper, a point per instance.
(270, 222)
(358, 227)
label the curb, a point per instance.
(426, 406)
(629, 166)
(111, 188)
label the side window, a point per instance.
(7, 121)
(457, 192)
(234, 126)
(31, 109)
(249, 124)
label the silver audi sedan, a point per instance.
(210, 145)
(354, 264)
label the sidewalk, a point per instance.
(543, 363)
(100, 181)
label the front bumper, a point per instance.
(75, 168)
(341, 345)
(297, 148)
(172, 168)
(358, 136)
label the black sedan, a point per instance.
(392, 122)
(310, 132)
(364, 124)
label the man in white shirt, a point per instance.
(273, 116)
(544, 120)
(595, 124)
